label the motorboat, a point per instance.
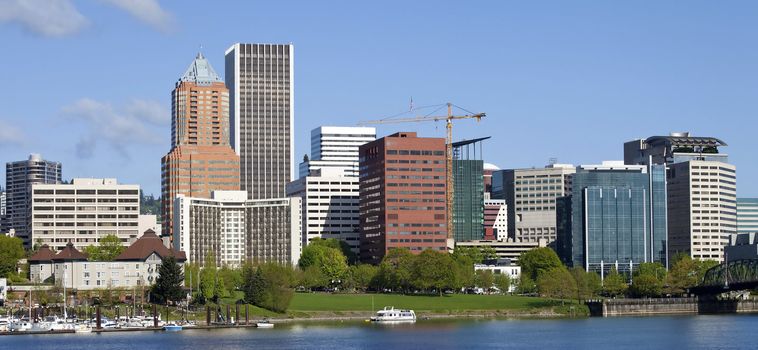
(21, 325)
(391, 315)
(264, 324)
(172, 327)
(82, 329)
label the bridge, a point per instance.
(733, 276)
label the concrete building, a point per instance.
(328, 184)
(3, 229)
(330, 206)
(506, 249)
(747, 215)
(468, 185)
(336, 147)
(530, 195)
(402, 195)
(502, 267)
(19, 177)
(616, 215)
(236, 229)
(260, 78)
(201, 159)
(83, 212)
(136, 266)
(742, 246)
(495, 220)
(702, 186)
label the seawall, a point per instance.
(670, 306)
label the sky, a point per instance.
(88, 83)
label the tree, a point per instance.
(434, 270)
(556, 283)
(484, 279)
(474, 254)
(464, 260)
(209, 278)
(362, 276)
(502, 282)
(313, 278)
(614, 284)
(107, 249)
(396, 270)
(229, 280)
(526, 285)
(269, 286)
(340, 245)
(648, 280)
(168, 285)
(489, 253)
(11, 250)
(536, 261)
(331, 261)
(588, 284)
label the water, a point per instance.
(661, 332)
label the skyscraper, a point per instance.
(402, 195)
(615, 216)
(468, 184)
(747, 215)
(200, 160)
(328, 184)
(19, 178)
(702, 191)
(260, 80)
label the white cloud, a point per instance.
(147, 11)
(10, 135)
(53, 18)
(118, 127)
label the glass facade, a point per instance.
(615, 217)
(468, 210)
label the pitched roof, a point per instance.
(43, 254)
(145, 246)
(69, 253)
(201, 72)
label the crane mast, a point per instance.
(449, 190)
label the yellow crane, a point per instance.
(449, 156)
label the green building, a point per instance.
(468, 185)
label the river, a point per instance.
(659, 332)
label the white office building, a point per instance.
(83, 212)
(336, 147)
(235, 229)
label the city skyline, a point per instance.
(107, 114)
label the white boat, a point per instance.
(392, 315)
(82, 329)
(19, 326)
(264, 324)
(172, 327)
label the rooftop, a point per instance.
(145, 246)
(201, 72)
(684, 139)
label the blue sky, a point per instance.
(88, 83)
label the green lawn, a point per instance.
(309, 302)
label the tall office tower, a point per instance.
(747, 215)
(328, 185)
(336, 147)
(702, 187)
(2, 211)
(615, 217)
(237, 230)
(468, 184)
(200, 160)
(402, 195)
(261, 83)
(19, 178)
(83, 212)
(530, 195)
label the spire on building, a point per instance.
(201, 72)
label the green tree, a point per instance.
(536, 261)
(269, 286)
(474, 254)
(588, 284)
(396, 270)
(648, 280)
(614, 284)
(484, 279)
(502, 282)
(168, 285)
(526, 285)
(340, 245)
(11, 250)
(434, 270)
(331, 261)
(556, 283)
(362, 276)
(107, 249)
(464, 260)
(209, 278)
(312, 277)
(229, 281)
(489, 253)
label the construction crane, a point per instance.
(449, 156)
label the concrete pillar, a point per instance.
(207, 315)
(236, 313)
(155, 316)
(97, 317)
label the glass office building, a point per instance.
(468, 187)
(615, 217)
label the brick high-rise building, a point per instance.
(201, 159)
(402, 195)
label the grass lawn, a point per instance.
(309, 302)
